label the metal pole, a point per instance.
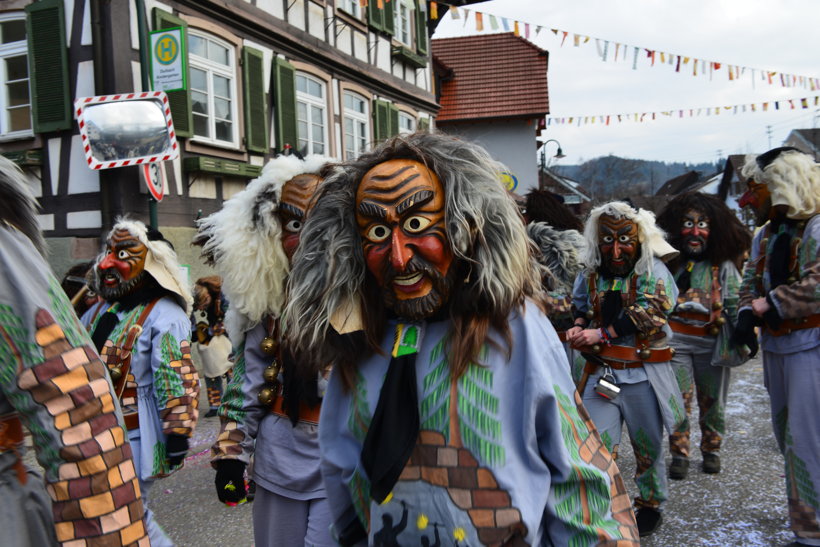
(142, 32)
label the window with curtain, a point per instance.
(311, 114)
(15, 99)
(356, 124)
(212, 64)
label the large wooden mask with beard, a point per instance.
(618, 244)
(694, 233)
(400, 214)
(122, 269)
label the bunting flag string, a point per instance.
(608, 119)
(654, 57)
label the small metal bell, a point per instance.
(268, 345)
(720, 321)
(596, 348)
(791, 279)
(717, 305)
(116, 373)
(271, 373)
(590, 314)
(713, 330)
(645, 353)
(265, 396)
(672, 352)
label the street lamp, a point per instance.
(558, 155)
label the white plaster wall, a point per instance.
(81, 179)
(203, 187)
(68, 7)
(136, 76)
(85, 79)
(296, 14)
(46, 222)
(274, 7)
(33, 180)
(54, 146)
(510, 142)
(83, 219)
(343, 40)
(231, 187)
(316, 18)
(383, 54)
(86, 39)
(360, 45)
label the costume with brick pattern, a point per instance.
(780, 293)
(53, 383)
(450, 416)
(143, 333)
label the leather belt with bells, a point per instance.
(270, 346)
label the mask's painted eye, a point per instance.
(703, 225)
(607, 239)
(122, 254)
(688, 224)
(293, 225)
(416, 224)
(378, 233)
(624, 239)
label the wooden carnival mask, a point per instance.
(694, 232)
(400, 213)
(296, 200)
(122, 269)
(618, 244)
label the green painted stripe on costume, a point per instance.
(407, 341)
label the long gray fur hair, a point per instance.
(18, 208)
(488, 239)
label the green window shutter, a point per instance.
(48, 66)
(424, 124)
(284, 83)
(421, 26)
(381, 120)
(389, 24)
(393, 120)
(375, 16)
(180, 101)
(256, 114)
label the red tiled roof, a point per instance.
(494, 76)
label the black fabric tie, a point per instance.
(395, 426)
(684, 280)
(105, 324)
(779, 260)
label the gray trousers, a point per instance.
(155, 533)
(793, 383)
(284, 522)
(25, 519)
(638, 407)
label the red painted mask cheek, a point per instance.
(433, 250)
(290, 242)
(377, 258)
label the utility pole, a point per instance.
(769, 133)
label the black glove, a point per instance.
(176, 446)
(745, 332)
(230, 481)
(772, 317)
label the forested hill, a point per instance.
(611, 176)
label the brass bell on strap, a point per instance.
(645, 353)
(268, 345)
(116, 373)
(720, 321)
(717, 305)
(590, 314)
(596, 348)
(266, 396)
(672, 351)
(271, 372)
(714, 330)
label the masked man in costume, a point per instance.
(53, 383)
(210, 339)
(270, 410)
(707, 277)
(622, 301)
(556, 231)
(450, 412)
(142, 332)
(781, 293)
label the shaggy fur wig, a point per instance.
(793, 179)
(560, 253)
(161, 262)
(543, 206)
(243, 241)
(18, 208)
(496, 270)
(650, 236)
(729, 239)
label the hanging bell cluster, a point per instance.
(270, 390)
(116, 373)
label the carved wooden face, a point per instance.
(400, 213)
(122, 269)
(759, 199)
(618, 243)
(293, 207)
(694, 233)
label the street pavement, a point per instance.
(743, 506)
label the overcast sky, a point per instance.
(779, 36)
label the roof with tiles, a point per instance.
(493, 76)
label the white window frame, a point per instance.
(351, 7)
(14, 49)
(403, 118)
(213, 68)
(403, 17)
(311, 102)
(355, 141)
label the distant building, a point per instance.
(493, 90)
(569, 190)
(807, 140)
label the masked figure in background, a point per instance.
(53, 383)
(142, 332)
(781, 293)
(270, 410)
(450, 412)
(622, 301)
(210, 339)
(556, 232)
(712, 242)
(75, 285)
